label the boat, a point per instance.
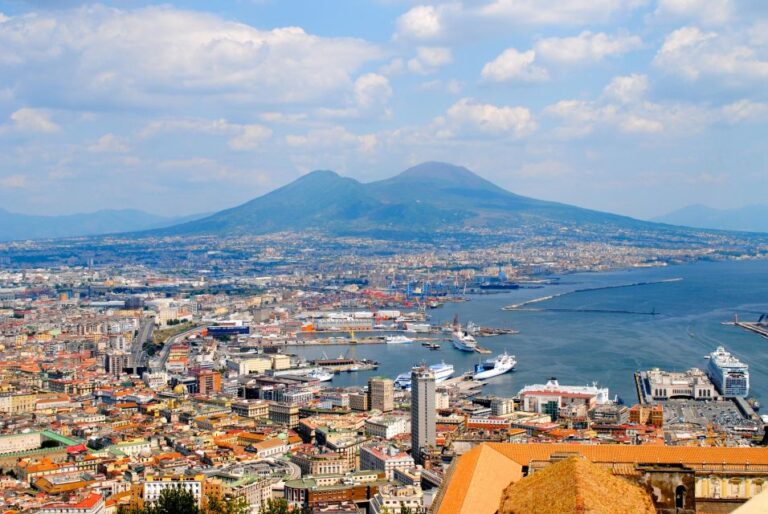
(433, 346)
(494, 367)
(398, 340)
(729, 375)
(461, 339)
(320, 375)
(441, 371)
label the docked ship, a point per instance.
(461, 339)
(729, 375)
(398, 340)
(320, 375)
(441, 371)
(494, 367)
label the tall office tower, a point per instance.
(381, 394)
(422, 410)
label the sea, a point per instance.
(598, 328)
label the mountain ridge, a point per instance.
(428, 197)
(750, 218)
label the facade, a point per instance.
(551, 398)
(396, 498)
(208, 382)
(251, 408)
(423, 416)
(358, 402)
(150, 490)
(116, 362)
(284, 414)
(385, 459)
(386, 427)
(381, 394)
(664, 385)
(330, 463)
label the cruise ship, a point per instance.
(398, 340)
(494, 367)
(442, 373)
(729, 374)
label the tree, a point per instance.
(175, 500)
(275, 506)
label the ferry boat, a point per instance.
(729, 375)
(494, 367)
(320, 375)
(441, 371)
(398, 340)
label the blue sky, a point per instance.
(631, 106)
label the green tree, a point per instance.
(275, 506)
(227, 506)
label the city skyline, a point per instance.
(636, 108)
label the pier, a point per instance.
(757, 328)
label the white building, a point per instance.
(153, 488)
(392, 498)
(551, 397)
(386, 427)
(156, 380)
(384, 458)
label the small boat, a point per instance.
(398, 340)
(433, 346)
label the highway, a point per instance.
(139, 357)
(159, 364)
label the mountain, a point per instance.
(430, 197)
(14, 226)
(752, 218)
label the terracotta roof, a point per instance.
(574, 485)
(477, 480)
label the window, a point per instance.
(680, 497)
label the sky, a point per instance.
(637, 107)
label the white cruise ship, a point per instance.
(320, 375)
(729, 374)
(442, 373)
(494, 367)
(398, 340)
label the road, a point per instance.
(139, 357)
(159, 364)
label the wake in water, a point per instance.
(519, 306)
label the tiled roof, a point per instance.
(574, 485)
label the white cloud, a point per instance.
(429, 59)
(14, 181)
(745, 110)
(556, 12)
(543, 169)
(586, 47)
(161, 55)
(709, 12)
(624, 106)
(626, 89)
(33, 120)
(243, 136)
(250, 137)
(109, 143)
(333, 137)
(512, 65)
(420, 22)
(370, 98)
(692, 54)
(467, 117)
